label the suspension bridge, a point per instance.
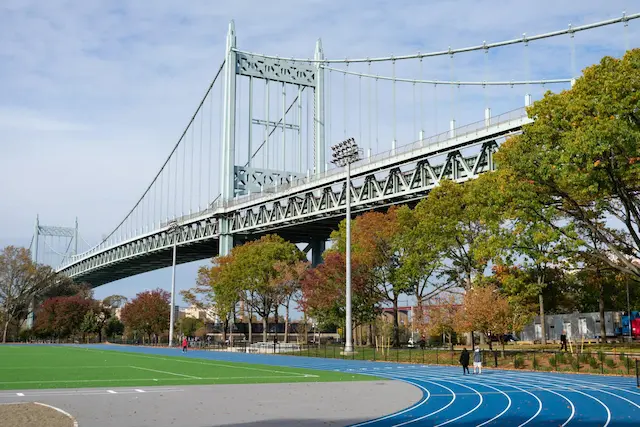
(253, 157)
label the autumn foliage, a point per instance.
(63, 316)
(148, 313)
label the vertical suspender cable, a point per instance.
(191, 169)
(284, 127)
(168, 189)
(485, 73)
(344, 102)
(175, 187)
(435, 105)
(329, 117)
(377, 126)
(210, 147)
(265, 155)
(393, 82)
(451, 77)
(250, 130)
(369, 104)
(299, 128)
(266, 129)
(200, 163)
(360, 109)
(421, 97)
(626, 33)
(184, 170)
(574, 73)
(414, 111)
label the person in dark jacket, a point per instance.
(563, 341)
(464, 361)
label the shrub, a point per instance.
(536, 364)
(552, 361)
(610, 363)
(518, 362)
(560, 358)
(593, 363)
(601, 356)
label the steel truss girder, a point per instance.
(276, 70)
(44, 230)
(186, 234)
(257, 180)
(393, 185)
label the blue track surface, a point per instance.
(495, 398)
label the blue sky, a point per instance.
(95, 94)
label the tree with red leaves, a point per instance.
(62, 317)
(323, 291)
(148, 313)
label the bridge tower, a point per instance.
(44, 231)
(237, 180)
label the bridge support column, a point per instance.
(317, 248)
(229, 119)
(225, 244)
(319, 111)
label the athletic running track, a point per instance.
(495, 398)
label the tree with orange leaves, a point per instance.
(485, 310)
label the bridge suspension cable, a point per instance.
(570, 30)
(451, 82)
(180, 140)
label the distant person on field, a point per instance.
(477, 362)
(563, 341)
(464, 361)
(184, 344)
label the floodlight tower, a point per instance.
(344, 154)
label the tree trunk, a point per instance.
(6, 327)
(543, 322)
(264, 328)
(225, 325)
(369, 343)
(396, 325)
(304, 331)
(250, 326)
(286, 324)
(603, 325)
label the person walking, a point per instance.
(477, 362)
(464, 361)
(563, 341)
(184, 344)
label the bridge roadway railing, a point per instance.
(379, 180)
(316, 195)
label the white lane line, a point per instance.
(181, 360)
(20, 394)
(112, 392)
(606, 408)
(75, 423)
(139, 391)
(166, 372)
(89, 393)
(540, 405)
(454, 419)
(598, 390)
(503, 392)
(416, 405)
(453, 399)
(39, 367)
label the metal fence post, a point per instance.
(637, 373)
(495, 358)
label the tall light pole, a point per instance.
(173, 230)
(344, 154)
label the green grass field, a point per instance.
(38, 367)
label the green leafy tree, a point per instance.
(461, 223)
(114, 327)
(255, 269)
(580, 157)
(189, 326)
